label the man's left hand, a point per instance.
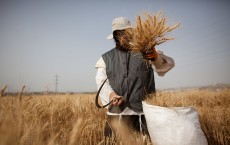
(150, 54)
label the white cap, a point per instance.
(119, 23)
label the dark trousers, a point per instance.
(130, 122)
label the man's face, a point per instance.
(123, 37)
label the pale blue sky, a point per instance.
(39, 39)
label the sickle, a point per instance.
(97, 96)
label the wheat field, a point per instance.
(73, 119)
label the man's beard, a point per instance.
(122, 47)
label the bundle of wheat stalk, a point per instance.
(149, 31)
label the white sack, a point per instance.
(173, 126)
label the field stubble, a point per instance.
(74, 119)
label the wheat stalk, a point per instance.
(76, 132)
(150, 30)
(21, 93)
(3, 91)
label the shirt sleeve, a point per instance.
(100, 63)
(100, 78)
(163, 64)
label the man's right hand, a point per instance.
(117, 100)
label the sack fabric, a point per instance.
(173, 126)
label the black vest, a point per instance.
(130, 77)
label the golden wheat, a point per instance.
(67, 119)
(150, 30)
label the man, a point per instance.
(129, 78)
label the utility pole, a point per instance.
(56, 83)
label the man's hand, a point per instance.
(117, 100)
(150, 54)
